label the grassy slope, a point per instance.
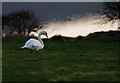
(72, 59)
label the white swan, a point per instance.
(34, 44)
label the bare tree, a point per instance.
(112, 10)
(21, 22)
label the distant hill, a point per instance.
(104, 36)
(110, 36)
(60, 38)
(97, 36)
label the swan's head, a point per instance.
(43, 33)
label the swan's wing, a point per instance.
(29, 42)
(33, 42)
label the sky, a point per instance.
(64, 18)
(53, 10)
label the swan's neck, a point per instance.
(39, 38)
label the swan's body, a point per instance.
(34, 44)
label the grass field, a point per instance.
(62, 60)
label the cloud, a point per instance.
(78, 26)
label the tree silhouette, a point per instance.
(22, 22)
(111, 11)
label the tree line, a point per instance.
(22, 22)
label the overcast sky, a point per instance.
(50, 10)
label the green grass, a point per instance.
(68, 60)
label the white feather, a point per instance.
(34, 44)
